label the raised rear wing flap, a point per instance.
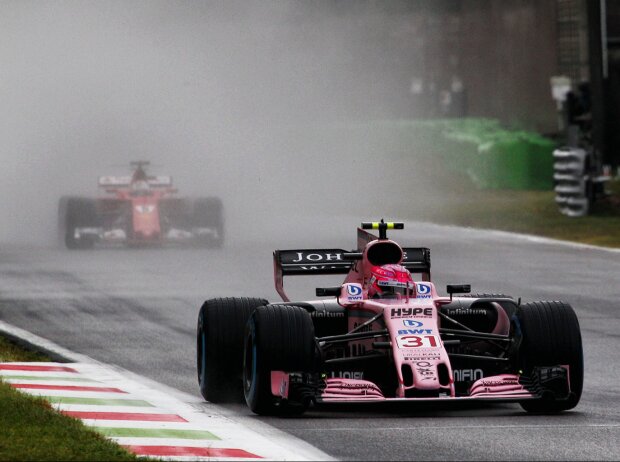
(418, 261)
(307, 262)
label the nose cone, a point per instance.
(147, 234)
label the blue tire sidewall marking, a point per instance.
(252, 390)
(203, 362)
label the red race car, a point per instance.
(141, 209)
(383, 336)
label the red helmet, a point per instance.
(390, 281)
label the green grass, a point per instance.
(31, 430)
(530, 212)
(11, 352)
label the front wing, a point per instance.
(499, 388)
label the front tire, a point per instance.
(551, 337)
(219, 347)
(277, 338)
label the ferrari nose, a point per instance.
(147, 234)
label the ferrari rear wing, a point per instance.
(160, 181)
(302, 262)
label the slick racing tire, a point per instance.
(277, 338)
(219, 347)
(551, 337)
(209, 213)
(76, 212)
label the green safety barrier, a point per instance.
(492, 157)
(496, 158)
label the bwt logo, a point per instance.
(354, 290)
(412, 323)
(424, 291)
(414, 331)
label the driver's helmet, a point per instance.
(390, 281)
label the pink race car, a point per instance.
(382, 336)
(140, 209)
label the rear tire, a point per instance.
(551, 337)
(219, 352)
(277, 338)
(209, 213)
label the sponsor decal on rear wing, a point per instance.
(161, 181)
(313, 261)
(114, 181)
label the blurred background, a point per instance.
(412, 108)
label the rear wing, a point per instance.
(306, 262)
(161, 181)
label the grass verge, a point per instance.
(529, 212)
(11, 352)
(31, 430)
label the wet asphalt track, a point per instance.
(137, 308)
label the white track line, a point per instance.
(456, 427)
(512, 235)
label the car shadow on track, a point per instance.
(419, 410)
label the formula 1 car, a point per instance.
(142, 209)
(382, 337)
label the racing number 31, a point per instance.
(417, 341)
